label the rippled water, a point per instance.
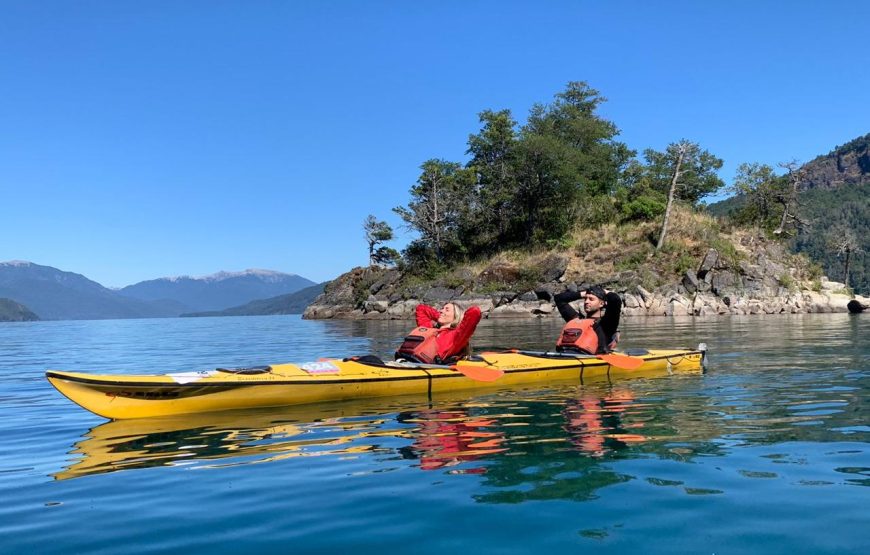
(767, 452)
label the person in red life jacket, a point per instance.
(594, 332)
(441, 336)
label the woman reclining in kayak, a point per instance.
(593, 333)
(441, 336)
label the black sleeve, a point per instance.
(563, 301)
(610, 320)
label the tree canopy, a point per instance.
(524, 185)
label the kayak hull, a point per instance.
(118, 396)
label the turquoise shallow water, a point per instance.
(767, 452)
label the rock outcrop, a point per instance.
(846, 165)
(758, 283)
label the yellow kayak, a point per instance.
(119, 396)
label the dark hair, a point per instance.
(598, 291)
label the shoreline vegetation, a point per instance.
(557, 202)
(706, 271)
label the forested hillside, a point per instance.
(821, 208)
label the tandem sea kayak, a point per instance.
(118, 396)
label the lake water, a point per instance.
(767, 452)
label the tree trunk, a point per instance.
(791, 200)
(846, 267)
(674, 179)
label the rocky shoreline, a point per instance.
(717, 287)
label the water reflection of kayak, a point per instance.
(260, 435)
(137, 396)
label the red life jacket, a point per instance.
(580, 334)
(421, 344)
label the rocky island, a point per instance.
(558, 202)
(744, 273)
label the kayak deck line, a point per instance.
(119, 396)
(235, 384)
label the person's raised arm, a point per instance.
(610, 320)
(563, 303)
(427, 316)
(466, 327)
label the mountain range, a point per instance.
(292, 303)
(54, 294)
(217, 291)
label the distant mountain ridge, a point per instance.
(217, 291)
(54, 294)
(293, 303)
(58, 295)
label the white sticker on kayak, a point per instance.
(320, 367)
(189, 377)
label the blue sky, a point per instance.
(148, 139)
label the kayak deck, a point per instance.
(119, 396)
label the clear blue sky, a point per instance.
(141, 139)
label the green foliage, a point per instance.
(440, 206)
(385, 256)
(845, 208)
(763, 195)
(684, 263)
(377, 232)
(727, 251)
(596, 210)
(697, 177)
(643, 208)
(525, 185)
(419, 259)
(494, 160)
(787, 281)
(631, 261)
(816, 272)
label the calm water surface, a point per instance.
(767, 452)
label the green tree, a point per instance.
(597, 158)
(686, 172)
(566, 156)
(790, 200)
(843, 242)
(761, 189)
(385, 256)
(441, 201)
(637, 198)
(377, 232)
(494, 160)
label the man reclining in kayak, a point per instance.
(441, 336)
(593, 333)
